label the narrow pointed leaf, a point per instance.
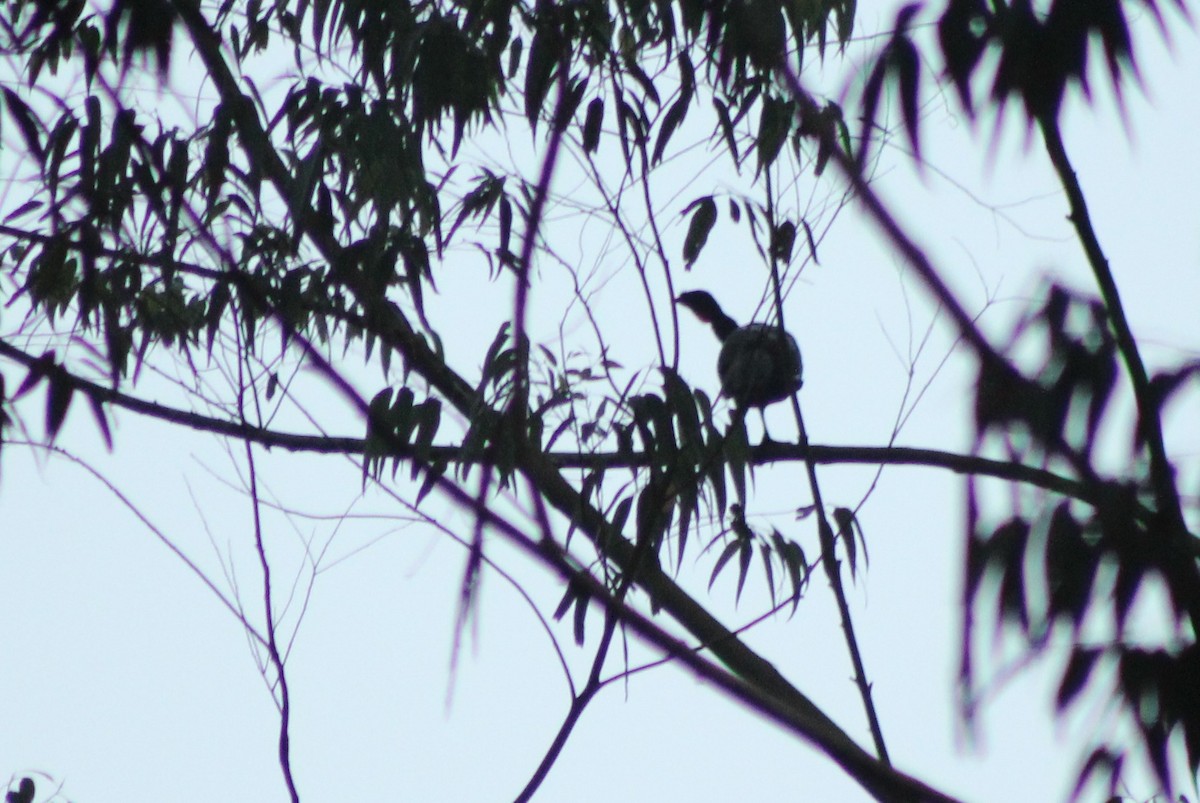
(703, 220)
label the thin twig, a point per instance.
(285, 709)
(829, 561)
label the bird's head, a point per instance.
(703, 305)
(706, 308)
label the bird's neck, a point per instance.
(723, 325)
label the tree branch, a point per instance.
(773, 452)
(1165, 490)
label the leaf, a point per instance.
(1130, 574)
(564, 605)
(703, 220)
(26, 122)
(730, 550)
(1012, 592)
(745, 555)
(593, 120)
(37, 372)
(570, 103)
(400, 418)
(844, 15)
(562, 427)
(844, 517)
(681, 405)
(871, 92)
(506, 219)
(634, 71)
(217, 302)
(783, 238)
(900, 61)
(581, 606)
(670, 122)
(24, 794)
(514, 56)
(544, 54)
(58, 401)
(812, 243)
(101, 419)
(427, 426)
(769, 570)
(726, 126)
(824, 151)
(57, 145)
(491, 370)
(793, 558)
(379, 428)
(479, 201)
(377, 412)
(1075, 676)
(736, 447)
(1101, 761)
(962, 38)
(23, 209)
(621, 515)
(434, 471)
(908, 67)
(774, 124)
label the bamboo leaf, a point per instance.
(593, 120)
(703, 220)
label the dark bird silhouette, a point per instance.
(759, 363)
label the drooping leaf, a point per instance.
(24, 792)
(901, 62)
(812, 243)
(792, 555)
(434, 471)
(581, 607)
(591, 125)
(732, 548)
(670, 122)
(726, 126)
(907, 64)
(962, 33)
(570, 103)
(774, 125)
(37, 372)
(783, 239)
(101, 419)
(26, 122)
(544, 56)
(1076, 675)
(58, 401)
(1102, 761)
(703, 219)
(514, 56)
(768, 561)
(621, 514)
(745, 555)
(846, 526)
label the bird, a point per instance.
(759, 363)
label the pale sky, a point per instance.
(124, 676)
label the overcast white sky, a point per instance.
(123, 676)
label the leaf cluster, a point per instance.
(1059, 565)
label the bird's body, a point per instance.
(759, 363)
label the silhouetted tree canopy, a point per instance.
(280, 222)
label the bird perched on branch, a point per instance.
(759, 363)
